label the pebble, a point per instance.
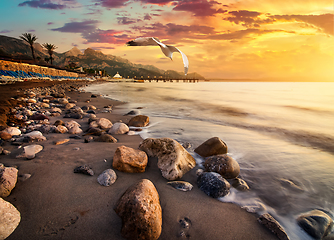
(59, 142)
(107, 178)
(181, 185)
(85, 169)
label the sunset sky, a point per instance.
(257, 39)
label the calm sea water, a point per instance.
(281, 134)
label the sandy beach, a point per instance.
(56, 203)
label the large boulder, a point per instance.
(119, 128)
(213, 184)
(212, 146)
(8, 178)
(129, 160)
(139, 121)
(140, 210)
(9, 218)
(222, 164)
(173, 160)
(316, 223)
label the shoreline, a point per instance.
(55, 203)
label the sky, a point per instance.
(225, 39)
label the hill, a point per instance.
(89, 59)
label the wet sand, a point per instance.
(56, 203)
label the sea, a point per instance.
(280, 133)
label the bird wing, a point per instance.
(144, 41)
(184, 58)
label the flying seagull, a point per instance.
(166, 49)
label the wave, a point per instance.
(309, 109)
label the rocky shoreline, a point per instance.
(144, 189)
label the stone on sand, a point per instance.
(140, 210)
(119, 128)
(85, 169)
(239, 184)
(139, 121)
(316, 223)
(13, 131)
(213, 184)
(222, 164)
(212, 146)
(10, 218)
(173, 160)
(8, 178)
(269, 222)
(129, 160)
(104, 123)
(181, 185)
(106, 138)
(107, 178)
(30, 151)
(35, 135)
(61, 129)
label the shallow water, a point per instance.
(281, 134)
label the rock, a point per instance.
(75, 130)
(91, 107)
(73, 115)
(8, 178)
(62, 101)
(88, 139)
(181, 185)
(9, 218)
(140, 211)
(222, 164)
(35, 135)
(31, 151)
(13, 131)
(104, 123)
(213, 146)
(213, 184)
(129, 160)
(69, 105)
(59, 142)
(55, 110)
(91, 111)
(106, 138)
(73, 127)
(95, 131)
(119, 128)
(61, 129)
(5, 135)
(38, 116)
(93, 124)
(240, 184)
(84, 169)
(71, 124)
(31, 100)
(44, 105)
(6, 152)
(107, 178)
(139, 121)
(24, 177)
(316, 223)
(133, 112)
(173, 160)
(269, 222)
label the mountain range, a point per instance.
(88, 59)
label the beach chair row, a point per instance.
(19, 74)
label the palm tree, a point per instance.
(30, 39)
(50, 47)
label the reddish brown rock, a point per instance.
(5, 135)
(222, 164)
(212, 146)
(140, 210)
(129, 160)
(139, 121)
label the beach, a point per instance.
(56, 203)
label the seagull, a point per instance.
(166, 49)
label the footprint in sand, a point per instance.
(54, 227)
(185, 225)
